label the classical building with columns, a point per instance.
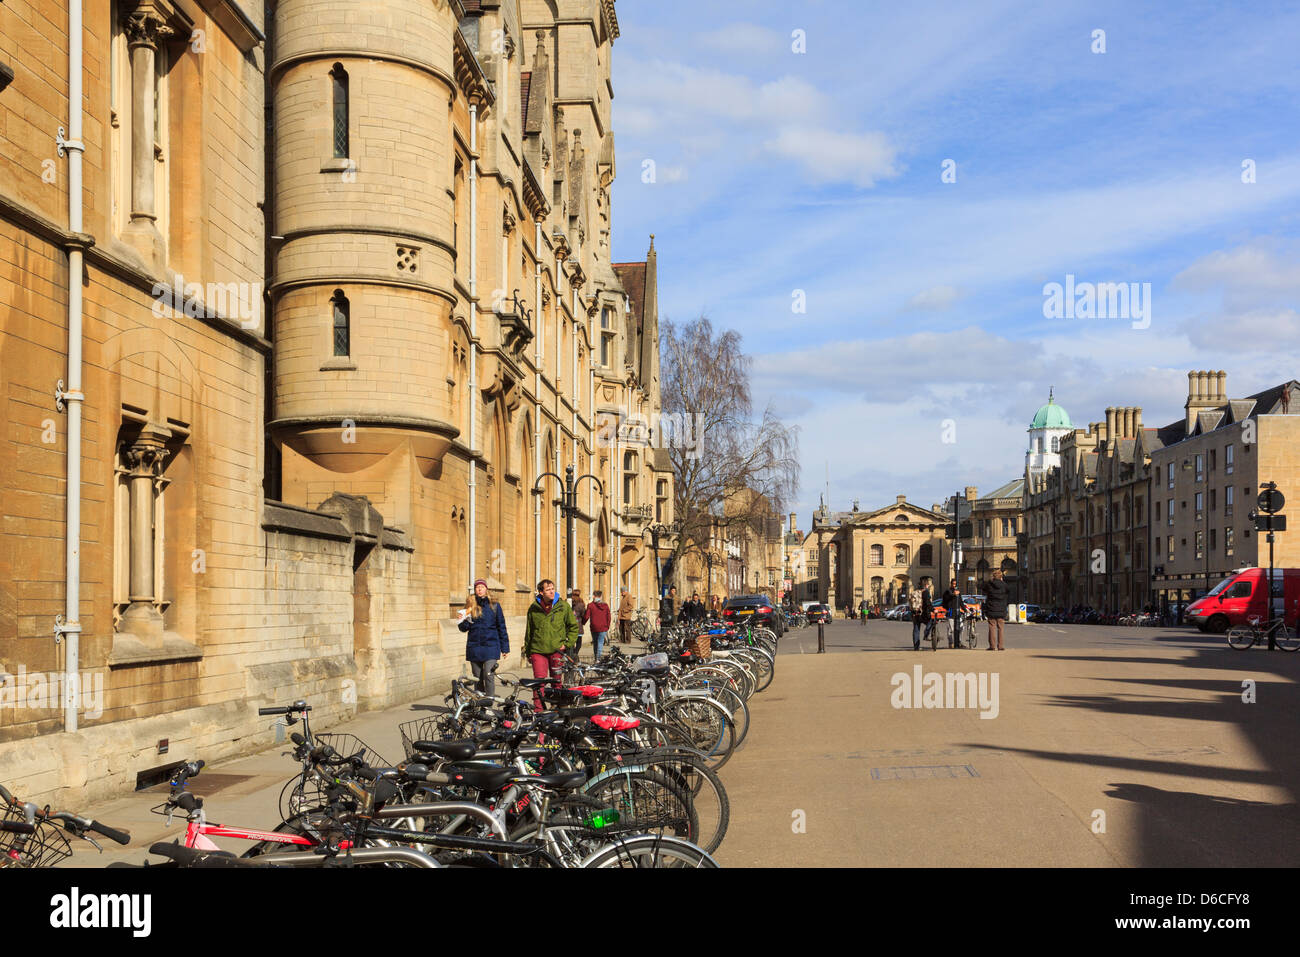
(878, 555)
(305, 314)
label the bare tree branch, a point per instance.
(743, 472)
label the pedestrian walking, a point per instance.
(549, 631)
(486, 641)
(667, 608)
(995, 608)
(916, 605)
(597, 614)
(624, 616)
(862, 610)
(952, 607)
(575, 599)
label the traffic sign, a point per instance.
(1270, 523)
(1271, 500)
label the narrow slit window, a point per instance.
(339, 81)
(342, 324)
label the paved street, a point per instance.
(1145, 725)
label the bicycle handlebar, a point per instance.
(112, 833)
(17, 827)
(295, 708)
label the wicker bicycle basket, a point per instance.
(44, 848)
(702, 646)
(349, 745)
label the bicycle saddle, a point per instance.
(452, 750)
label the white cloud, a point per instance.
(742, 38)
(1260, 330)
(936, 298)
(832, 156)
(702, 110)
(1257, 265)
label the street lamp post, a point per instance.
(569, 506)
(657, 529)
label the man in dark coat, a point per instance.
(997, 594)
(952, 605)
(668, 608)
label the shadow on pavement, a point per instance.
(1184, 828)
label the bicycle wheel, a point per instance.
(569, 837)
(708, 724)
(647, 800)
(721, 691)
(691, 769)
(651, 851)
(1241, 637)
(744, 679)
(1287, 638)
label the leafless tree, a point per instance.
(738, 472)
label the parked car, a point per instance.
(1242, 596)
(819, 613)
(898, 613)
(756, 609)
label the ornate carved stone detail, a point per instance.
(508, 221)
(146, 27)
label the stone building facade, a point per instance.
(334, 294)
(1205, 479)
(996, 520)
(1136, 515)
(878, 556)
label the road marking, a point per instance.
(1058, 631)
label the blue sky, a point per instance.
(820, 172)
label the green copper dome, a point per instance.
(1051, 416)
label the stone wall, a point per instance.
(290, 633)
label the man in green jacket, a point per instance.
(550, 629)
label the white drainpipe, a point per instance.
(537, 400)
(69, 624)
(473, 342)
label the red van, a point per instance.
(1241, 596)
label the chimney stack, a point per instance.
(1205, 390)
(971, 493)
(900, 499)
(1110, 422)
(1137, 420)
(792, 525)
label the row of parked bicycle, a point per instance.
(1091, 616)
(617, 769)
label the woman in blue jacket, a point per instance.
(487, 642)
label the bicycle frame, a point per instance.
(197, 833)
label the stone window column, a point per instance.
(144, 458)
(146, 28)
